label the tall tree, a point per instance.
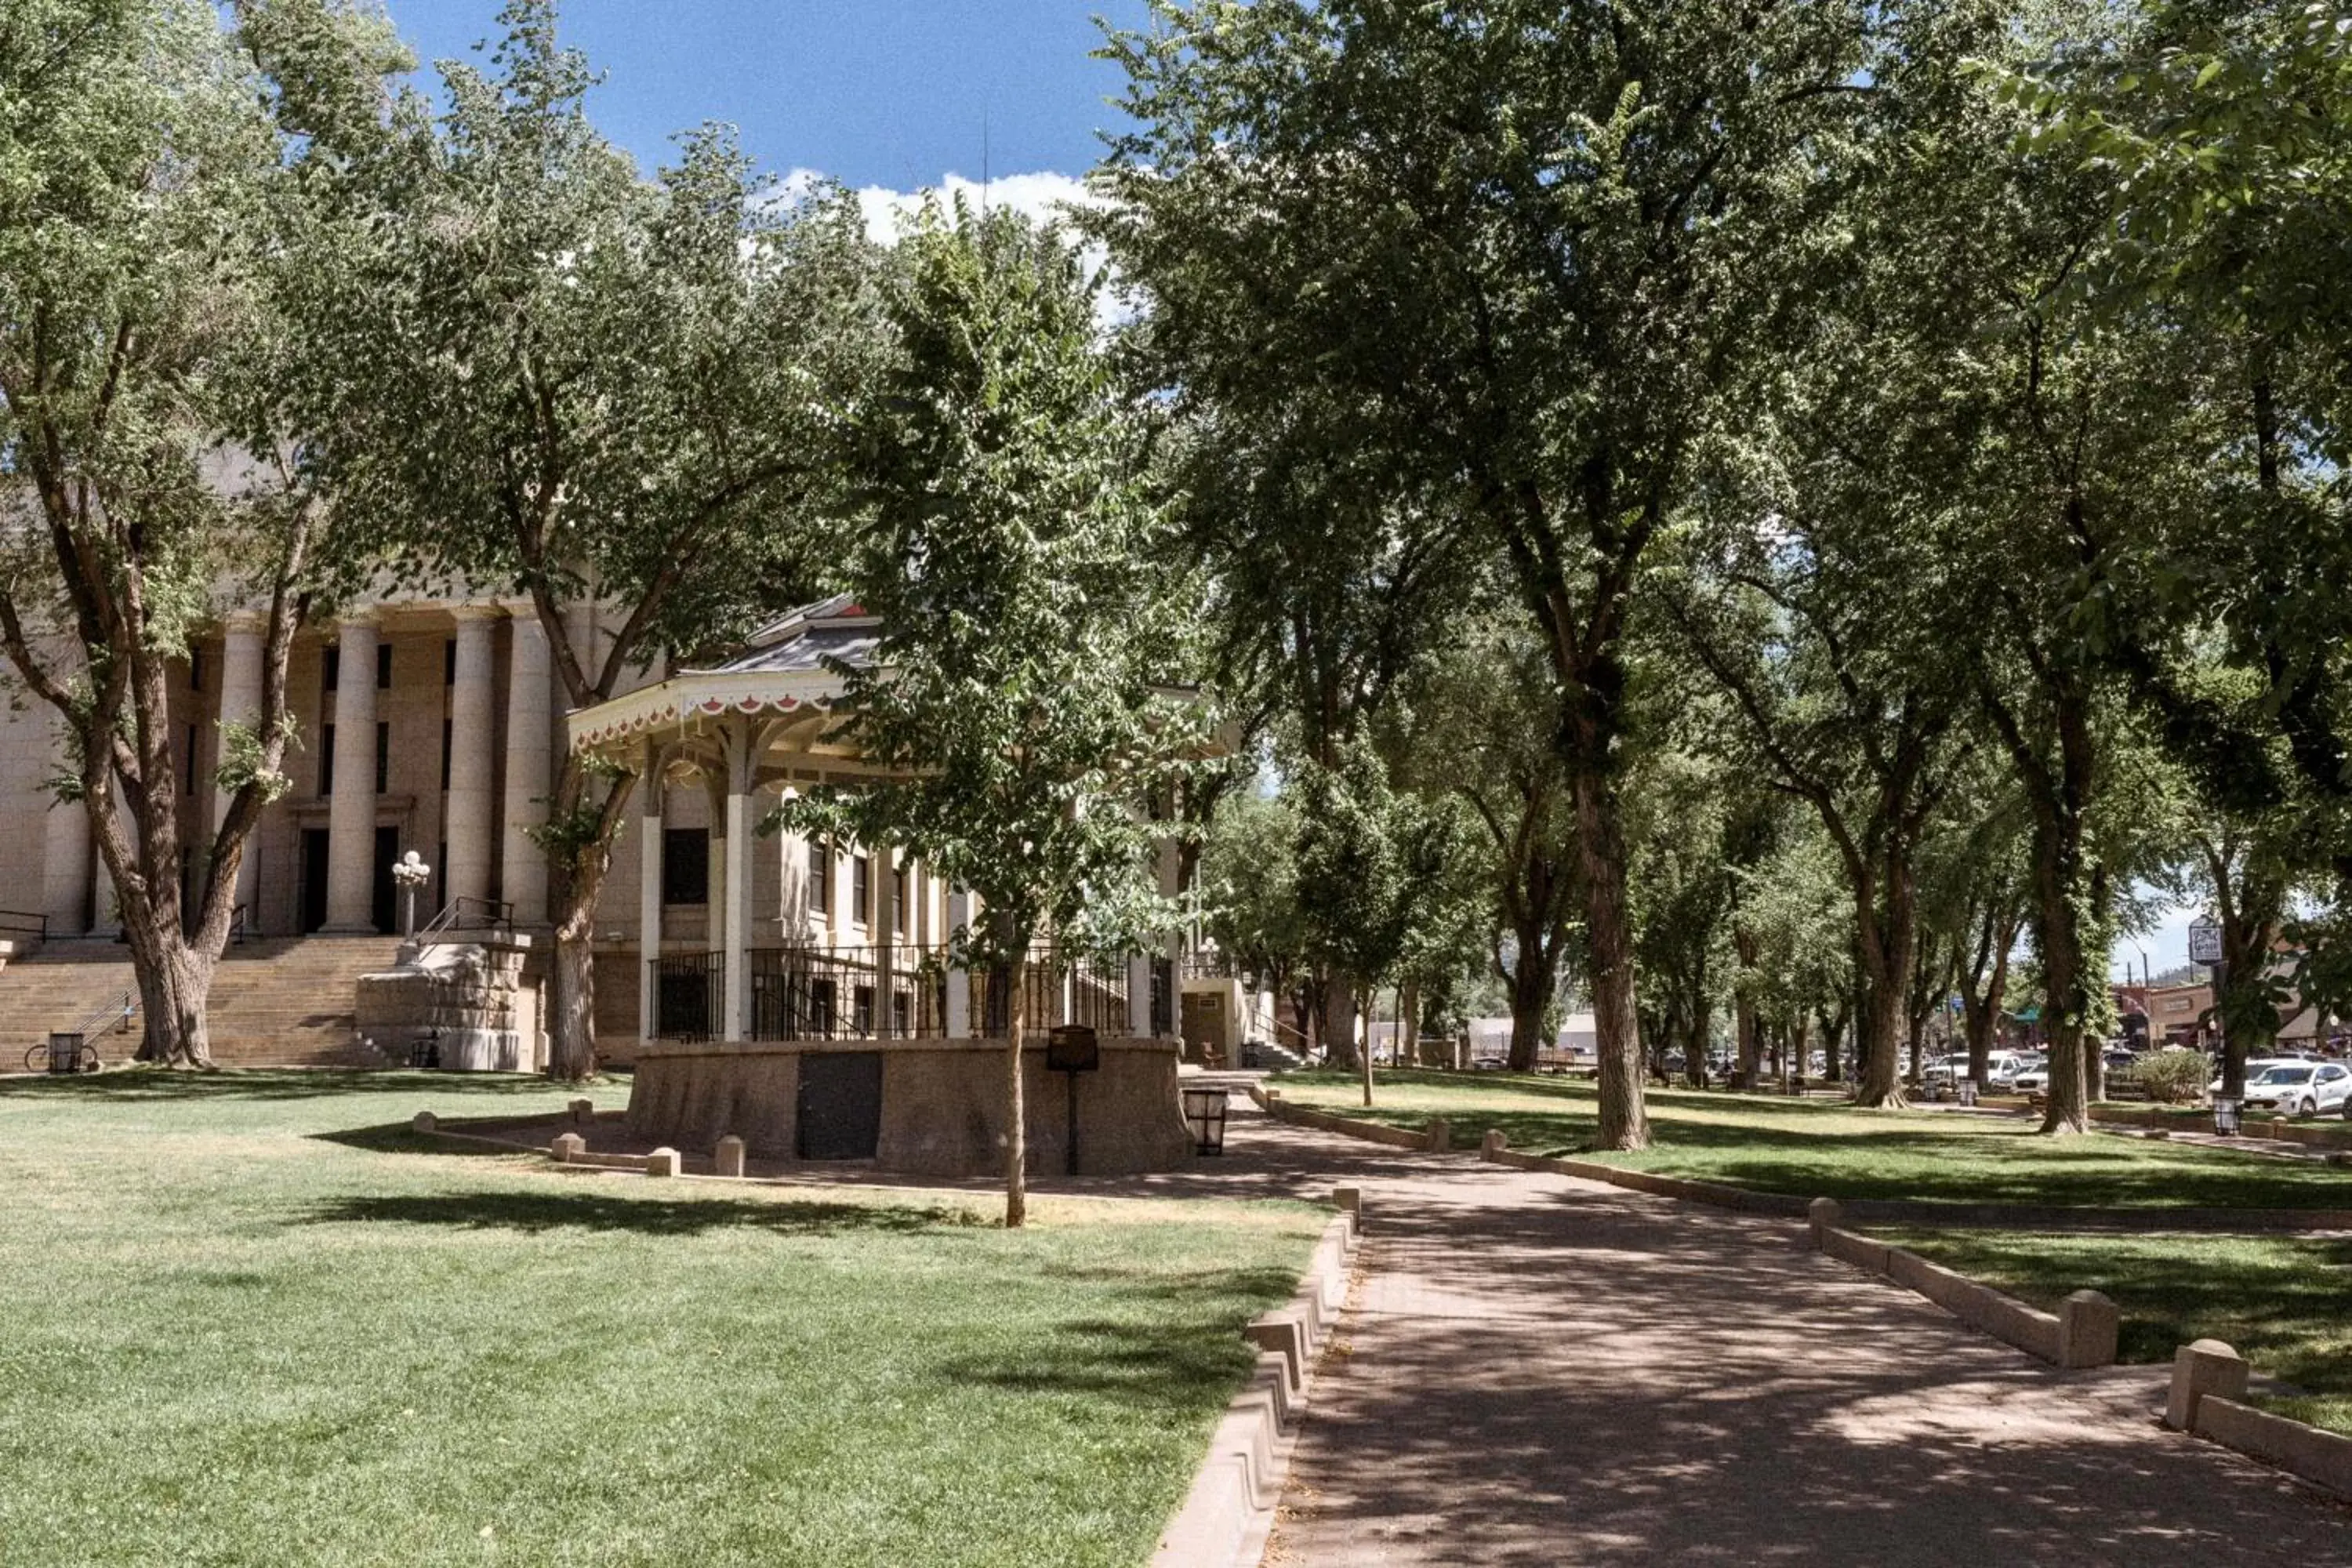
(589, 387)
(1482, 730)
(170, 209)
(1514, 254)
(1003, 532)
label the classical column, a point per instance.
(470, 826)
(959, 977)
(530, 731)
(737, 895)
(351, 810)
(240, 703)
(66, 856)
(649, 894)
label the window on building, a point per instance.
(326, 760)
(900, 890)
(449, 736)
(820, 877)
(686, 866)
(330, 668)
(383, 758)
(450, 662)
(188, 769)
(384, 666)
(861, 889)
(862, 1001)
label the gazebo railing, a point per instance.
(882, 992)
(1059, 988)
(808, 992)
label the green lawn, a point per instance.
(2284, 1303)
(250, 1321)
(1815, 1148)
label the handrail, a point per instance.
(470, 914)
(25, 921)
(114, 1014)
(237, 923)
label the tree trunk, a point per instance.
(1338, 1016)
(1364, 1056)
(1878, 1044)
(578, 884)
(1743, 1012)
(1616, 1022)
(1532, 980)
(1016, 1124)
(1409, 1023)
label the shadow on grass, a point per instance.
(159, 1084)
(539, 1213)
(397, 1138)
(1149, 1366)
(1771, 1147)
(2286, 1303)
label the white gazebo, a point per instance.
(854, 1034)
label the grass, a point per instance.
(1815, 1148)
(2284, 1303)
(239, 1334)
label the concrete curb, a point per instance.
(1875, 1211)
(2207, 1400)
(1226, 1517)
(2313, 1134)
(2084, 1335)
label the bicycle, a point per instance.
(86, 1058)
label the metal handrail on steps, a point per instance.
(114, 1016)
(468, 914)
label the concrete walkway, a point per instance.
(1543, 1371)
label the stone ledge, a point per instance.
(2321, 1458)
(2083, 1336)
(1226, 1518)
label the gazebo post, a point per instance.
(736, 914)
(959, 977)
(649, 895)
(1138, 994)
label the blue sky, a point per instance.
(890, 94)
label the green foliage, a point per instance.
(246, 758)
(1022, 697)
(2175, 1076)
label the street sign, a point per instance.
(2205, 942)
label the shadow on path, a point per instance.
(1542, 1370)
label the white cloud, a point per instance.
(1043, 195)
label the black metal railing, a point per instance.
(880, 992)
(24, 922)
(468, 914)
(1057, 988)
(807, 991)
(689, 995)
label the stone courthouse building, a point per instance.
(437, 726)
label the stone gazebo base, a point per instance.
(927, 1107)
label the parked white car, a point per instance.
(2255, 1068)
(2301, 1089)
(2032, 1077)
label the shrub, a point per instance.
(2177, 1077)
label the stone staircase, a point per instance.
(275, 1002)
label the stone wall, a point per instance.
(942, 1103)
(470, 997)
